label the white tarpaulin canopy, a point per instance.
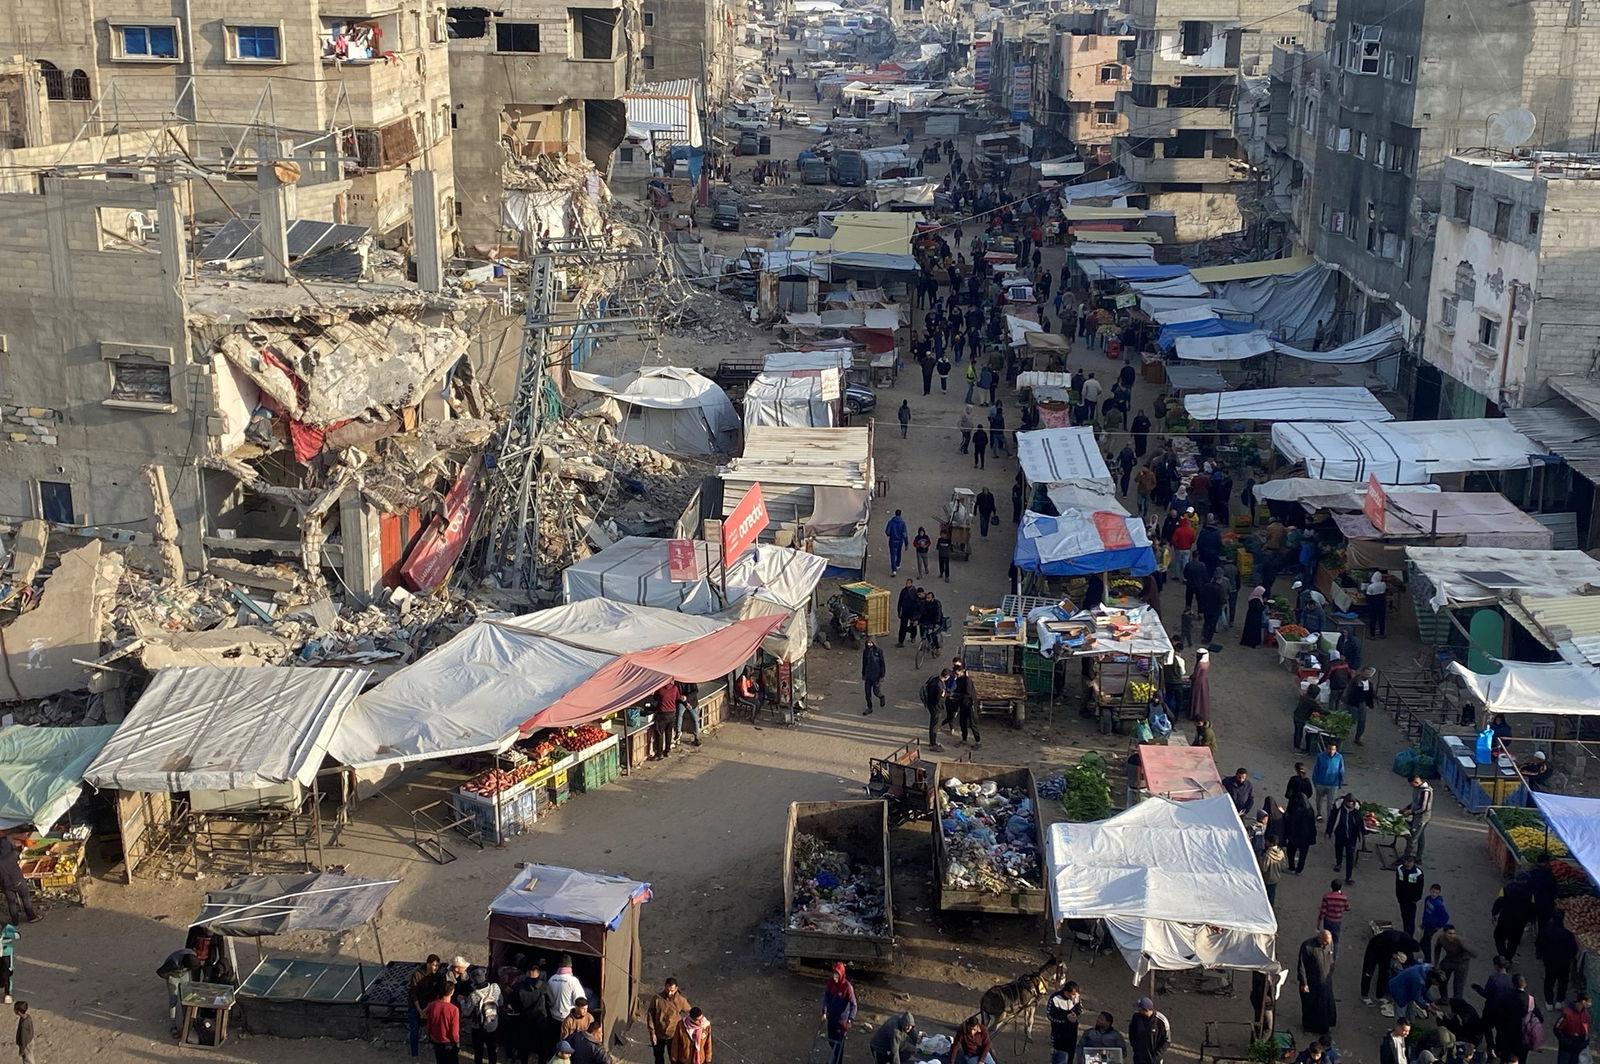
(787, 402)
(1287, 404)
(199, 728)
(1480, 576)
(670, 409)
(1384, 340)
(1184, 287)
(1288, 305)
(1293, 489)
(1403, 452)
(1062, 456)
(1231, 347)
(1177, 883)
(1577, 822)
(635, 571)
(1559, 688)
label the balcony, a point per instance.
(1151, 68)
(1156, 121)
(1176, 171)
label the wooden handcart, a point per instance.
(904, 779)
(1000, 694)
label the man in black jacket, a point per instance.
(873, 671)
(930, 618)
(527, 1007)
(1149, 1033)
(1065, 1009)
(908, 609)
(19, 899)
(932, 700)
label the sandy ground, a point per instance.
(706, 828)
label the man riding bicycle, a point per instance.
(930, 620)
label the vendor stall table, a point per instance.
(291, 998)
(206, 1007)
(56, 866)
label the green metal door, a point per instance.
(1488, 632)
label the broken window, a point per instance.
(55, 85)
(380, 149)
(516, 36)
(648, 18)
(355, 40)
(141, 382)
(1447, 312)
(1466, 281)
(1463, 204)
(1533, 222)
(1488, 331)
(78, 85)
(467, 23)
(593, 32)
(55, 502)
(649, 60)
(1110, 74)
(122, 229)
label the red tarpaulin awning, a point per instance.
(633, 677)
(1181, 773)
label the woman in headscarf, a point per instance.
(1299, 832)
(1255, 618)
(838, 1009)
(1200, 687)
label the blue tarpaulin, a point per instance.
(1205, 327)
(1144, 272)
(693, 156)
(1075, 544)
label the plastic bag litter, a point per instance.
(936, 1045)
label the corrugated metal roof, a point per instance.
(1562, 428)
(1571, 623)
(1584, 392)
(680, 87)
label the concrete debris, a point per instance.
(42, 647)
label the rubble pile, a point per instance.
(832, 895)
(707, 318)
(991, 837)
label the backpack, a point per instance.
(1532, 1029)
(488, 1010)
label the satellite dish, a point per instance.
(1511, 129)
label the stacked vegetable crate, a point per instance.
(871, 603)
(1038, 672)
(599, 770)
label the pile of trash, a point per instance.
(991, 837)
(832, 895)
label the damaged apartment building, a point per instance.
(363, 89)
(290, 413)
(538, 89)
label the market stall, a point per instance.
(57, 865)
(1129, 646)
(1175, 882)
(549, 911)
(1403, 452)
(1287, 404)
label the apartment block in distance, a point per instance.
(1187, 59)
(1090, 70)
(364, 84)
(689, 40)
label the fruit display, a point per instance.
(1583, 919)
(1336, 725)
(582, 737)
(1571, 879)
(491, 782)
(1141, 691)
(1087, 796)
(1294, 633)
(1382, 819)
(1531, 843)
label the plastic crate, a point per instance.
(871, 603)
(1038, 681)
(598, 771)
(560, 788)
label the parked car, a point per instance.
(726, 216)
(859, 399)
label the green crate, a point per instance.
(598, 771)
(1038, 681)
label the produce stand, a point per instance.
(1387, 826)
(504, 802)
(1475, 786)
(967, 877)
(55, 866)
(1518, 837)
(837, 896)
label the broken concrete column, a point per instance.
(163, 525)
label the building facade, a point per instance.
(1514, 290)
(534, 80)
(1092, 71)
(1403, 87)
(363, 86)
(690, 40)
(1187, 59)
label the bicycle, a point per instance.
(927, 649)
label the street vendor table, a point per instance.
(1289, 650)
(215, 999)
(1388, 840)
(56, 866)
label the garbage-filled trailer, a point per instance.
(837, 900)
(988, 844)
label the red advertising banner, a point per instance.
(742, 527)
(442, 542)
(681, 561)
(1376, 504)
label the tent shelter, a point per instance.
(1079, 542)
(1577, 822)
(818, 479)
(548, 911)
(1484, 576)
(671, 409)
(787, 402)
(41, 770)
(1179, 773)
(1553, 688)
(1063, 456)
(1403, 452)
(1444, 519)
(1176, 883)
(635, 570)
(236, 740)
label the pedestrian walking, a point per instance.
(1572, 1029)
(1327, 775)
(1420, 812)
(665, 1015)
(985, 508)
(1319, 1012)
(1377, 593)
(966, 424)
(1408, 883)
(19, 896)
(943, 368)
(921, 543)
(1019, 492)
(1299, 832)
(932, 694)
(1435, 917)
(1347, 827)
(1452, 958)
(906, 608)
(927, 363)
(1512, 911)
(1330, 913)
(1149, 1033)
(1125, 462)
(873, 670)
(8, 960)
(997, 426)
(980, 444)
(972, 384)
(25, 1032)
(1064, 1010)
(943, 547)
(898, 536)
(1092, 390)
(1274, 859)
(838, 1009)
(443, 1021)
(904, 416)
(1557, 947)
(691, 1040)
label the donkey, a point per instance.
(1006, 1001)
